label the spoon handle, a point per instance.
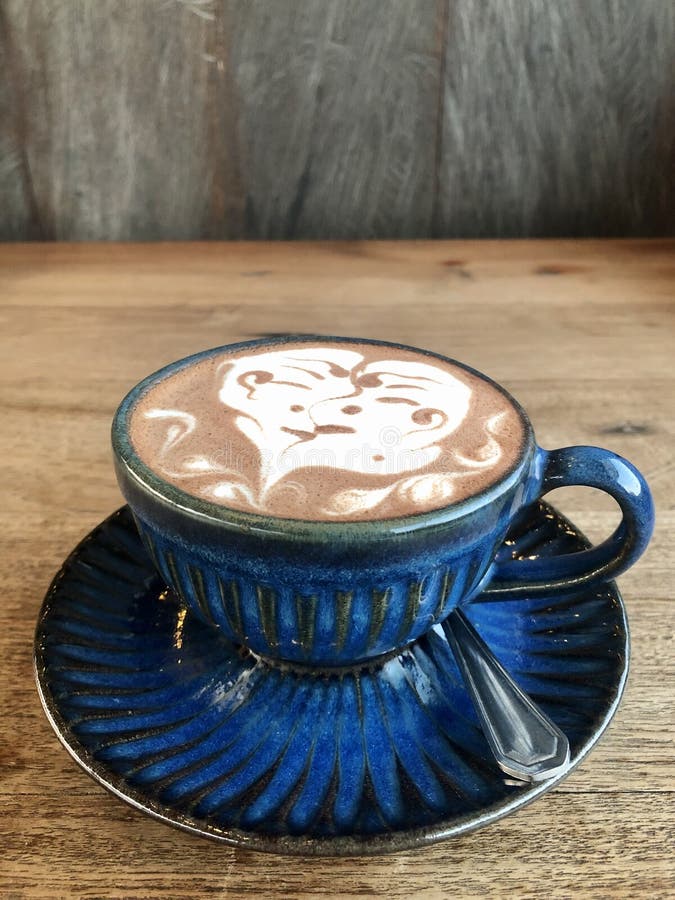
(525, 742)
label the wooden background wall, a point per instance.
(160, 119)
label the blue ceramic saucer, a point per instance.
(186, 726)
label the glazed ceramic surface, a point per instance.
(335, 593)
(171, 716)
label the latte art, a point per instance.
(327, 431)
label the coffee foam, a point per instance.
(327, 431)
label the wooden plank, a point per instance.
(338, 116)
(169, 119)
(18, 215)
(115, 129)
(558, 119)
(585, 845)
(582, 332)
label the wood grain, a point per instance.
(114, 128)
(581, 332)
(565, 116)
(338, 108)
(179, 119)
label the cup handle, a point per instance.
(592, 467)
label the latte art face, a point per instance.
(327, 431)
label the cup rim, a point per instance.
(198, 508)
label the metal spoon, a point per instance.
(525, 742)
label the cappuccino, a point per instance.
(327, 430)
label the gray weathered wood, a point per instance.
(113, 123)
(153, 119)
(338, 115)
(558, 118)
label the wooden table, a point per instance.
(582, 333)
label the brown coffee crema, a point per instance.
(327, 431)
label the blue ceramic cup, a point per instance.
(337, 593)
